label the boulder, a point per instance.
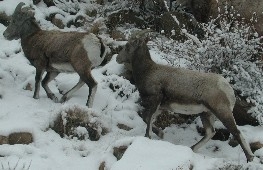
(119, 151)
(3, 139)
(20, 138)
(36, 1)
(57, 22)
(49, 3)
(17, 138)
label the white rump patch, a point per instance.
(92, 45)
(187, 109)
(228, 90)
(63, 67)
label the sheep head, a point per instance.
(126, 54)
(20, 16)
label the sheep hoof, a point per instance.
(55, 99)
(147, 136)
(36, 96)
(250, 158)
(158, 132)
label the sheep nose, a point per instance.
(6, 35)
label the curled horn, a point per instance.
(28, 10)
(19, 6)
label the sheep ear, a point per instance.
(29, 11)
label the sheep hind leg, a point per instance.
(71, 91)
(148, 119)
(229, 122)
(208, 120)
(151, 105)
(49, 77)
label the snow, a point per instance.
(142, 148)
(19, 112)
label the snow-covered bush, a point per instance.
(231, 49)
(80, 122)
(70, 6)
(121, 88)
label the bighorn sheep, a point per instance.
(182, 91)
(56, 51)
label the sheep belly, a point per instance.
(187, 109)
(63, 67)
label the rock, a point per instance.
(20, 138)
(49, 3)
(28, 87)
(36, 1)
(92, 13)
(255, 146)
(119, 151)
(124, 127)
(3, 140)
(102, 166)
(54, 18)
(100, 2)
(58, 22)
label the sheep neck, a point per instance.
(141, 62)
(28, 28)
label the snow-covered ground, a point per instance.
(19, 112)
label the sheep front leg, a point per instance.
(49, 77)
(151, 105)
(92, 92)
(38, 77)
